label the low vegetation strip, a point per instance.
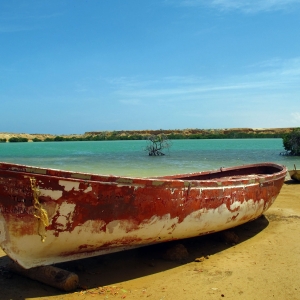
(234, 133)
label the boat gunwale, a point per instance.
(186, 179)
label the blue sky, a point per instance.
(70, 66)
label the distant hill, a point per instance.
(143, 134)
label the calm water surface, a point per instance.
(129, 159)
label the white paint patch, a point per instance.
(66, 211)
(61, 222)
(89, 189)
(112, 226)
(66, 208)
(55, 195)
(69, 185)
(235, 205)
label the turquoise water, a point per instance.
(127, 158)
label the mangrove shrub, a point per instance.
(291, 142)
(18, 140)
(156, 144)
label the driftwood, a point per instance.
(55, 277)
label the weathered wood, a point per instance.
(92, 214)
(53, 276)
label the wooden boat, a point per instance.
(49, 216)
(295, 174)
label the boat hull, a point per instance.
(89, 215)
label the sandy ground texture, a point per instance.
(263, 264)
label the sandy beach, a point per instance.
(264, 264)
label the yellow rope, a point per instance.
(40, 213)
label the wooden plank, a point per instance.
(52, 276)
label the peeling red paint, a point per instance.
(107, 205)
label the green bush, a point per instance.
(2, 140)
(17, 140)
(59, 139)
(291, 142)
(36, 140)
(48, 139)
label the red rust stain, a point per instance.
(118, 243)
(21, 227)
(234, 217)
(85, 247)
(108, 202)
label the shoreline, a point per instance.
(143, 134)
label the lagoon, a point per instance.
(128, 158)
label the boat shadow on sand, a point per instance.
(113, 269)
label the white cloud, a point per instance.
(296, 118)
(280, 78)
(266, 95)
(250, 6)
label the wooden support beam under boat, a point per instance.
(52, 276)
